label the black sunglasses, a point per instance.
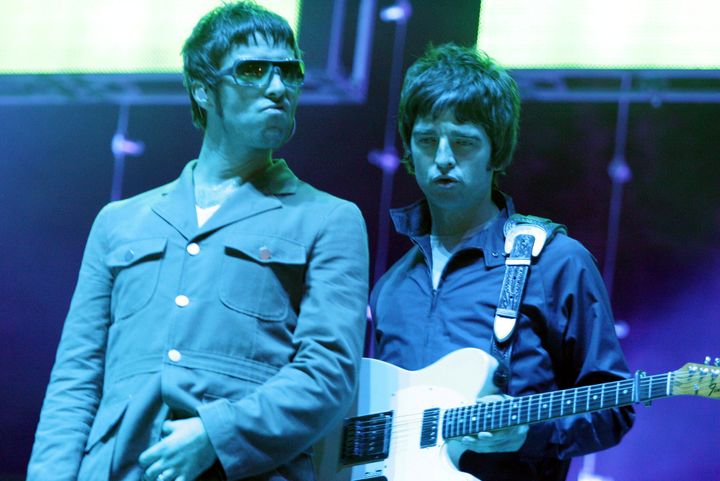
(253, 72)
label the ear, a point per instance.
(199, 93)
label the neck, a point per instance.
(220, 171)
(454, 222)
(218, 162)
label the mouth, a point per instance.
(275, 107)
(445, 181)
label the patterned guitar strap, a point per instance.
(525, 237)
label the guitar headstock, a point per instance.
(698, 379)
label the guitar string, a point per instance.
(400, 423)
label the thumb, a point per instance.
(167, 427)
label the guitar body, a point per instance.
(455, 380)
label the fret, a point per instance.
(501, 416)
(492, 417)
(587, 399)
(668, 388)
(562, 403)
(626, 393)
(472, 417)
(575, 391)
(460, 421)
(475, 419)
(485, 415)
(617, 393)
(515, 418)
(453, 423)
(642, 388)
(469, 419)
(660, 388)
(531, 400)
(480, 418)
(602, 395)
(541, 405)
(593, 398)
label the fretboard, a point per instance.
(536, 408)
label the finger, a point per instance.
(167, 427)
(167, 475)
(484, 435)
(150, 455)
(153, 471)
(492, 398)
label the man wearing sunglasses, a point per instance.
(217, 320)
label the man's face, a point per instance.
(259, 117)
(451, 162)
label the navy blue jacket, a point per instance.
(565, 335)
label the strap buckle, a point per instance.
(539, 235)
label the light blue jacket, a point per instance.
(254, 322)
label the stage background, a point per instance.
(57, 173)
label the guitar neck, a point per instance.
(492, 416)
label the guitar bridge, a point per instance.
(366, 438)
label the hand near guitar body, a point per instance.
(503, 441)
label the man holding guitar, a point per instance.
(458, 119)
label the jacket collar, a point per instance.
(258, 194)
(414, 221)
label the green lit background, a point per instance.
(104, 36)
(602, 34)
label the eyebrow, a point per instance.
(459, 132)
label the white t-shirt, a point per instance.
(441, 255)
(204, 213)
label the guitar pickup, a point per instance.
(366, 438)
(429, 433)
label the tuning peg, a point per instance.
(707, 360)
(717, 361)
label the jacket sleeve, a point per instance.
(585, 351)
(294, 408)
(75, 385)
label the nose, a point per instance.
(444, 157)
(276, 87)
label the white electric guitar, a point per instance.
(408, 423)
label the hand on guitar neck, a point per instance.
(503, 441)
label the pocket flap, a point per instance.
(106, 418)
(267, 249)
(132, 252)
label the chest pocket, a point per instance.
(263, 276)
(136, 268)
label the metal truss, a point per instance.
(149, 89)
(650, 86)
